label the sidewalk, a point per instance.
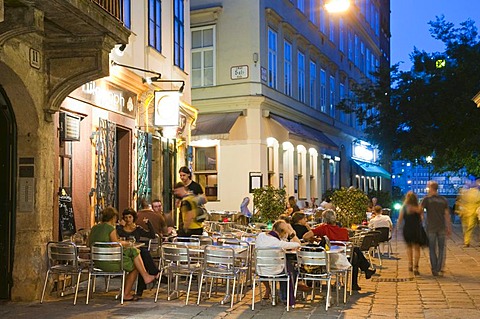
(392, 293)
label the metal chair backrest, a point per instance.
(384, 234)
(268, 258)
(62, 253)
(188, 241)
(178, 255)
(366, 241)
(219, 257)
(309, 257)
(111, 252)
(376, 237)
(204, 240)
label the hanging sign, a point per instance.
(167, 108)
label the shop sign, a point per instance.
(363, 152)
(108, 96)
(167, 108)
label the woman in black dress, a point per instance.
(410, 219)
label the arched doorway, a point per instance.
(7, 195)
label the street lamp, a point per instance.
(429, 159)
(334, 6)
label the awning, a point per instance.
(304, 131)
(215, 123)
(373, 169)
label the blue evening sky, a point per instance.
(409, 24)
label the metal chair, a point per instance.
(268, 264)
(187, 241)
(176, 262)
(63, 260)
(385, 238)
(314, 264)
(107, 260)
(242, 260)
(219, 263)
(374, 246)
(343, 273)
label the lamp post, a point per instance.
(429, 159)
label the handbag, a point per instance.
(202, 214)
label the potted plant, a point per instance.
(351, 205)
(269, 202)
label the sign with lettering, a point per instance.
(108, 96)
(239, 72)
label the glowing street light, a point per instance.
(334, 6)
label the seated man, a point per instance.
(380, 220)
(334, 232)
(283, 236)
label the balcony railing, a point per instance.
(114, 7)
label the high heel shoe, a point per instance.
(416, 272)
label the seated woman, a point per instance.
(301, 227)
(132, 261)
(128, 228)
(334, 232)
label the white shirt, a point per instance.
(380, 221)
(267, 241)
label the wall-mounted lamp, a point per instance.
(159, 75)
(150, 80)
(255, 58)
(120, 49)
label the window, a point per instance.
(301, 5)
(362, 56)
(287, 67)
(206, 170)
(313, 85)
(355, 51)
(341, 35)
(341, 92)
(331, 34)
(178, 34)
(155, 24)
(203, 56)
(332, 96)
(126, 13)
(351, 48)
(313, 11)
(323, 17)
(272, 58)
(367, 64)
(301, 77)
(323, 90)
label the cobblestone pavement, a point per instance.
(392, 293)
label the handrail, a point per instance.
(114, 7)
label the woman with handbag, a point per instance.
(410, 219)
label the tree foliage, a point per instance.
(350, 204)
(427, 110)
(269, 203)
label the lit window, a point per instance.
(301, 77)
(206, 170)
(178, 34)
(287, 67)
(155, 24)
(313, 85)
(272, 58)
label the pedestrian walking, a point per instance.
(410, 221)
(438, 226)
(469, 202)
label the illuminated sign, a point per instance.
(106, 95)
(167, 108)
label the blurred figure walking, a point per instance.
(469, 202)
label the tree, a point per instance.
(427, 110)
(350, 204)
(269, 203)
